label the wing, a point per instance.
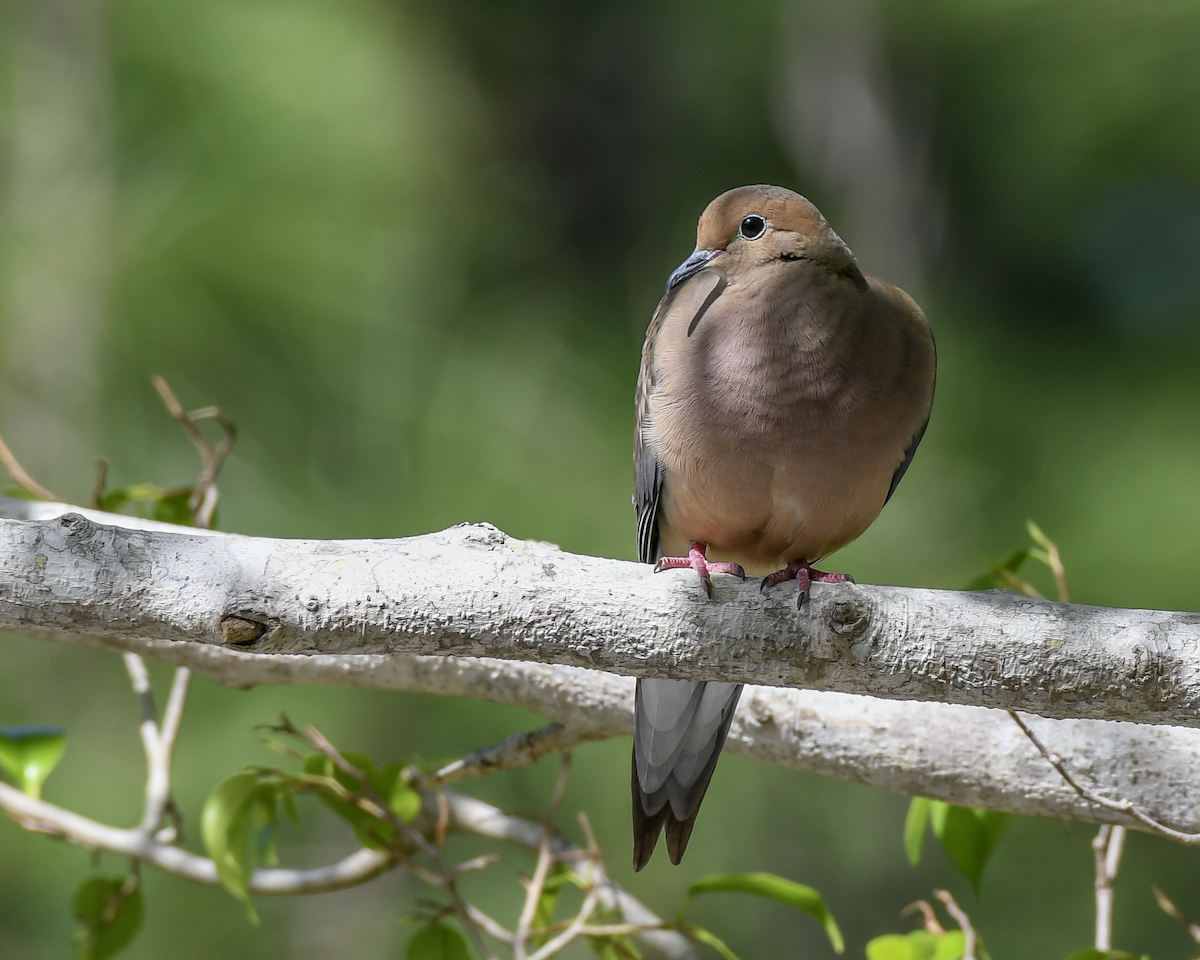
(647, 471)
(909, 452)
(685, 303)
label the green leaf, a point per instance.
(29, 753)
(1093, 954)
(369, 830)
(1012, 563)
(918, 945)
(242, 808)
(767, 885)
(952, 946)
(914, 828)
(111, 914)
(701, 935)
(387, 782)
(1037, 536)
(543, 914)
(437, 942)
(968, 836)
(405, 802)
(173, 508)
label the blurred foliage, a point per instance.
(411, 251)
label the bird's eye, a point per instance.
(752, 227)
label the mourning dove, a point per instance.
(781, 398)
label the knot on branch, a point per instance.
(240, 631)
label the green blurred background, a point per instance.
(412, 249)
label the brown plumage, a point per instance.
(782, 396)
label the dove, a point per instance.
(781, 398)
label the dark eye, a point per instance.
(752, 227)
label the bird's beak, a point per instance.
(691, 266)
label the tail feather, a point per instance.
(678, 834)
(646, 827)
(690, 749)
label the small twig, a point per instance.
(1126, 807)
(1053, 560)
(1014, 582)
(203, 501)
(158, 777)
(963, 921)
(476, 863)
(158, 742)
(352, 871)
(545, 859)
(1106, 848)
(101, 483)
(591, 897)
(557, 943)
(926, 910)
(516, 752)
(20, 477)
(488, 925)
(440, 877)
(1176, 914)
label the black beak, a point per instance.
(691, 266)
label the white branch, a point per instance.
(472, 590)
(138, 845)
(323, 606)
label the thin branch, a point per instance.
(100, 484)
(1053, 560)
(1176, 914)
(1125, 807)
(545, 860)
(1106, 848)
(441, 877)
(20, 477)
(516, 752)
(926, 910)
(590, 899)
(158, 742)
(480, 818)
(46, 818)
(487, 924)
(557, 943)
(203, 501)
(963, 921)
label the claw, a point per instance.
(697, 561)
(805, 575)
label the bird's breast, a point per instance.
(778, 440)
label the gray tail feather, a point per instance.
(647, 826)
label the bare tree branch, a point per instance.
(203, 501)
(963, 921)
(473, 591)
(891, 744)
(1125, 806)
(1106, 848)
(20, 476)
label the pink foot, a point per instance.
(703, 567)
(805, 575)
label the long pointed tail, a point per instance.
(679, 727)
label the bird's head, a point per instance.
(763, 227)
